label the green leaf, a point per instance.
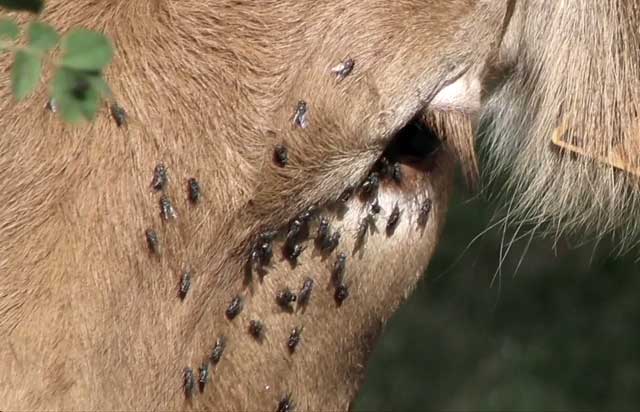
(34, 6)
(42, 37)
(100, 84)
(76, 93)
(86, 50)
(8, 29)
(25, 73)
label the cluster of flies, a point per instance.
(205, 369)
(383, 169)
(284, 298)
(262, 253)
(257, 330)
(297, 232)
(159, 183)
(326, 240)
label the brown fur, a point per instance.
(89, 320)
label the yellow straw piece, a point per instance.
(616, 157)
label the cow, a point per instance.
(275, 182)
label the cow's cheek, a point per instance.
(380, 272)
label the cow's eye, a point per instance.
(414, 142)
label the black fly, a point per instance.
(331, 243)
(118, 114)
(343, 69)
(341, 294)
(323, 229)
(185, 284)
(285, 298)
(256, 329)
(346, 194)
(396, 173)
(301, 115)
(324, 239)
(308, 214)
(204, 375)
(234, 308)
(394, 219)
(166, 208)
(337, 273)
(375, 207)
(263, 248)
(286, 404)
(305, 292)
(294, 230)
(370, 185)
(390, 170)
(188, 381)
(159, 181)
(294, 251)
(281, 155)
(294, 339)
(218, 350)
(152, 241)
(363, 229)
(195, 193)
(423, 213)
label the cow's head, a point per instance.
(308, 149)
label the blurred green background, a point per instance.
(561, 333)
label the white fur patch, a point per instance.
(461, 95)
